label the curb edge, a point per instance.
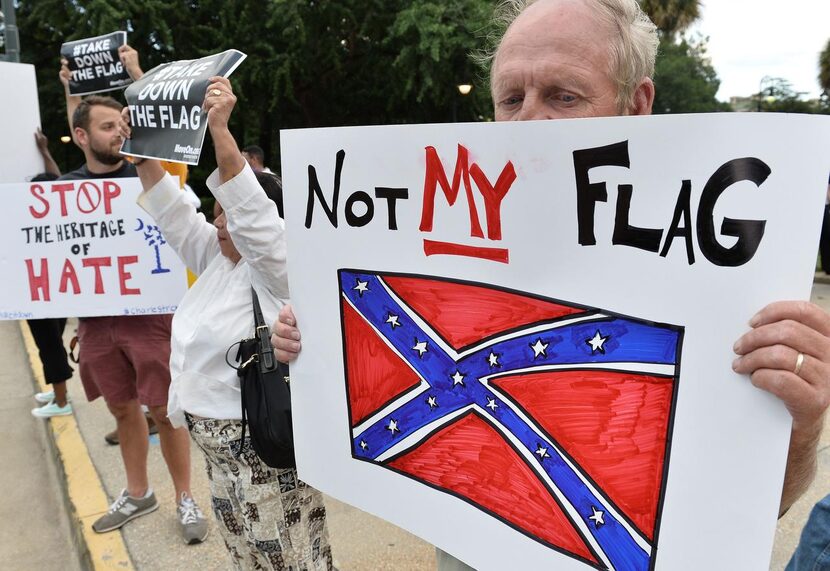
(83, 490)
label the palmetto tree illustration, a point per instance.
(154, 238)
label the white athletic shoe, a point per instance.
(46, 397)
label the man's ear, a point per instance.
(643, 98)
(81, 137)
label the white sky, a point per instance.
(749, 39)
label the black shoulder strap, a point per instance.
(263, 334)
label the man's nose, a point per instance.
(535, 108)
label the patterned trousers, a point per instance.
(268, 518)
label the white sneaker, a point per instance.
(46, 397)
(52, 409)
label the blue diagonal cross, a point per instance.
(457, 383)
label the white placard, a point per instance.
(84, 248)
(539, 376)
(20, 118)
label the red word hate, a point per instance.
(39, 279)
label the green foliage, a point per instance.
(684, 79)
(824, 69)
(310, 62)
(671, 16)
(779, 96)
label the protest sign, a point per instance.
(517, 337)
(166, 108)
(20, 118)
(95, 64)
(84, 248)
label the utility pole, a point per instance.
(12, 39)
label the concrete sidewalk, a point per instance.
(35, 531)
(359, 540)
(63, 540)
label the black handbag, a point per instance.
(266, 398)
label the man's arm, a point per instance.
(769, 353)
(49, 164)
(72, 101)
(129, 58)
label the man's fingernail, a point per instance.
(756, 320)
(735, 364)
(737, 346)
(295, 336)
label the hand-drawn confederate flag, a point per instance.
(552, 417)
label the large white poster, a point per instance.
(517, 338)
(20, 118)
(84, 248)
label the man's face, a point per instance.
(253, 161)
(102, 139)
(554, 63)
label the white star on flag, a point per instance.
(542, 451)
(420, 347)
(363, 444)
(539, 348)
(361, 287)
(597, 343)
(393, 426)
(491, 404)
(493, 360)
(457, 378)
(393, 321)
(597, 517)
(432, 401)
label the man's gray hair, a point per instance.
(633, 46)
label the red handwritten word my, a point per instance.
(493, 195)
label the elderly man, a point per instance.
(595, 58)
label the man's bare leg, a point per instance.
(175, 447)
(133, 434)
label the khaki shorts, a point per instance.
(126, 358)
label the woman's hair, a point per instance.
(633, 46)
(272, 185)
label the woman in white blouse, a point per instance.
(268, 518)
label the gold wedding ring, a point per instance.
(799, 361)
(215, 92)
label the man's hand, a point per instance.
(124, 128)
(769, 353)
(219, 102)
(41, 141)
(286, 337)
(65, 75)
(129, 58)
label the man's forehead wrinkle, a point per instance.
(574, 73)
(567, 26)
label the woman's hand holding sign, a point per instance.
(219, 102)
(787, 353)
(218, 105)
(150, 171)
